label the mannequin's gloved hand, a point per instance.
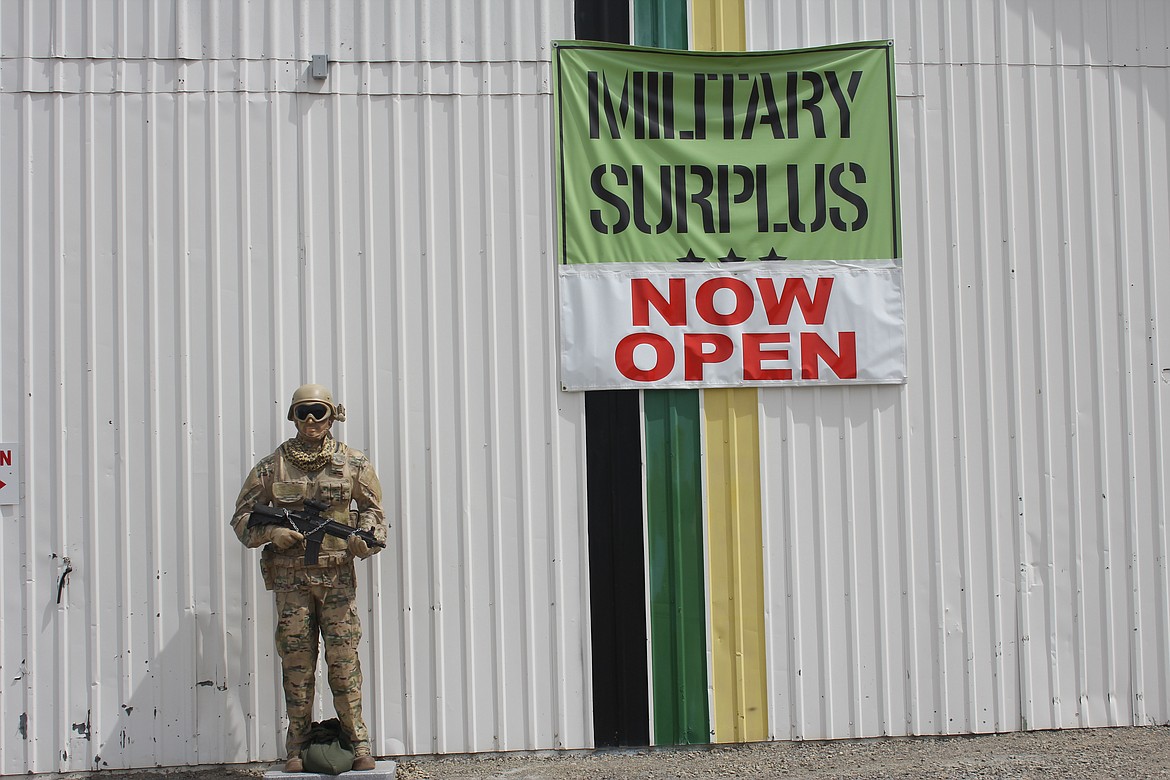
(284, 538)
(358, 547)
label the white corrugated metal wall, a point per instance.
(986, 548)
(190, 226)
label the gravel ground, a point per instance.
(1099, 753)
(1073, 755)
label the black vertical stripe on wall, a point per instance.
(602, 20)
(621, 713)
(613, 454)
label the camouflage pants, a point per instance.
(302, 615)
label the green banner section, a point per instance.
(670, 156)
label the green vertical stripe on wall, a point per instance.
(678, 602)
(660, 23)
(674, 505)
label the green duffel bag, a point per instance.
(327, 750)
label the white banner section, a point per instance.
(653, 325)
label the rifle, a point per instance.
(311, 524)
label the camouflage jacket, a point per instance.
(348, 480)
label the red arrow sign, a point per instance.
(2, 484)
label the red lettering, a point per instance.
(644, 295)
(5, 457)
(624, 357)
(812, 308)
(754, 355)
(695, 356)
(744, 301)
(842, 363)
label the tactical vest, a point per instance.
(291, 487)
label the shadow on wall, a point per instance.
(177, 714)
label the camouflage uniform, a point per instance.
(320, 599)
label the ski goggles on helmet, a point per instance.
(316, 411)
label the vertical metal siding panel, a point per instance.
(389, 636)
(678, 603)
(986, 293)
(122, 540)
(529, 442)
(735, 564)
(151, 453)
(1081, 326)
(1018, 496)
(1145, 415)
(22, 121)
(1132, 336)
(717, 25)
(438, 347)
(781, 596)
(1058, 221)
(502, 358)
(544, 346)
(495, 307)
(244, 647)
(13, 300)
(814, 633)
(1101, 337)
(87, 470)
(189, 169)
(951, 441)
(13, 21)
(17, 220)
(57, 637)
(415, 475)
(1156, 202)
(564, 678)
(479, 677)
(1028, 213)
(531, 137)
(359, 285)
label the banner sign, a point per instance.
(649, 325)
(722, 166)
(667, 156)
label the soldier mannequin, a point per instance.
(319, 599)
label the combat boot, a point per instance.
(294, 764)
(363, 763)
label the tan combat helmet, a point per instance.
(318, 393)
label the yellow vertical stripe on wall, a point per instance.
(734, 513)
(736, 559)
(717, 25)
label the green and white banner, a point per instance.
(710, 160)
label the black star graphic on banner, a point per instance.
(690, 257)
(773, 256)
(732, 257)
